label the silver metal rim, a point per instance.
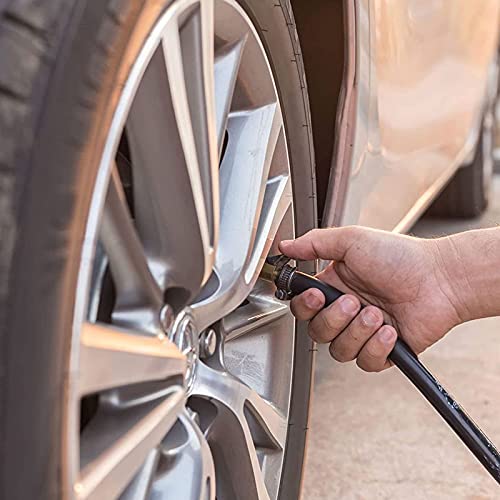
(189, 371)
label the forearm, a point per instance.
(470, 263)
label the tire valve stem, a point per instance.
(290, 282)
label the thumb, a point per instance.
(328, 244)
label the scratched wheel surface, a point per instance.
(182, 360)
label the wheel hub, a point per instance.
(184, 335)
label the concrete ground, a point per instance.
(372, 436)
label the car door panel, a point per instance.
(421, 73)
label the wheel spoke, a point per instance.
(247, 161)
(268, 425)
(253, 137)
(260, 311)
(237, 468)
(134, 283)
(235, 395)
(197, 47)
(227, 64)
(244, 420)
(185, 454)
(237, 269)
(112, 358)
(277, 199)
(140, 487)
(115, 447)
(171, 130)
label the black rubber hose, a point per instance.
(407, 361)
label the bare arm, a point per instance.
(471, 265)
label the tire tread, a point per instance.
(465, 195)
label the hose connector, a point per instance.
(278, 270)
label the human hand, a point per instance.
(400, 276)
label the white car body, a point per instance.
(418, 75)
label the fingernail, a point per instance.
(312, 301)
(387, 335)
(369, 317)
(286, 243)
(348, 305)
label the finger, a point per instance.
(329, 322)
(373, 355)
(349, 343)
(329, 244)
(306, 305)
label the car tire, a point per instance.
(59, 68)
(467, 193)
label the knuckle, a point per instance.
(341, 352)
(314, 332)
(348, 344)
(336, 317)
(297, 307)
(323, 331)
(351, 231)
(372, 352)
(367, 366)
(355, 333)
(372, 358)
(328, 322)
(314, 233)
(330, 325)
(334, 353)
(316, 230)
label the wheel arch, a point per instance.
(325, 29)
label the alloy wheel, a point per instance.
(182, 359)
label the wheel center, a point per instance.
(184, 335)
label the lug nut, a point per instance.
(167, 317)
(208, 343)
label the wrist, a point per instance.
(450, 275)
(453, 278)
(469, 274)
